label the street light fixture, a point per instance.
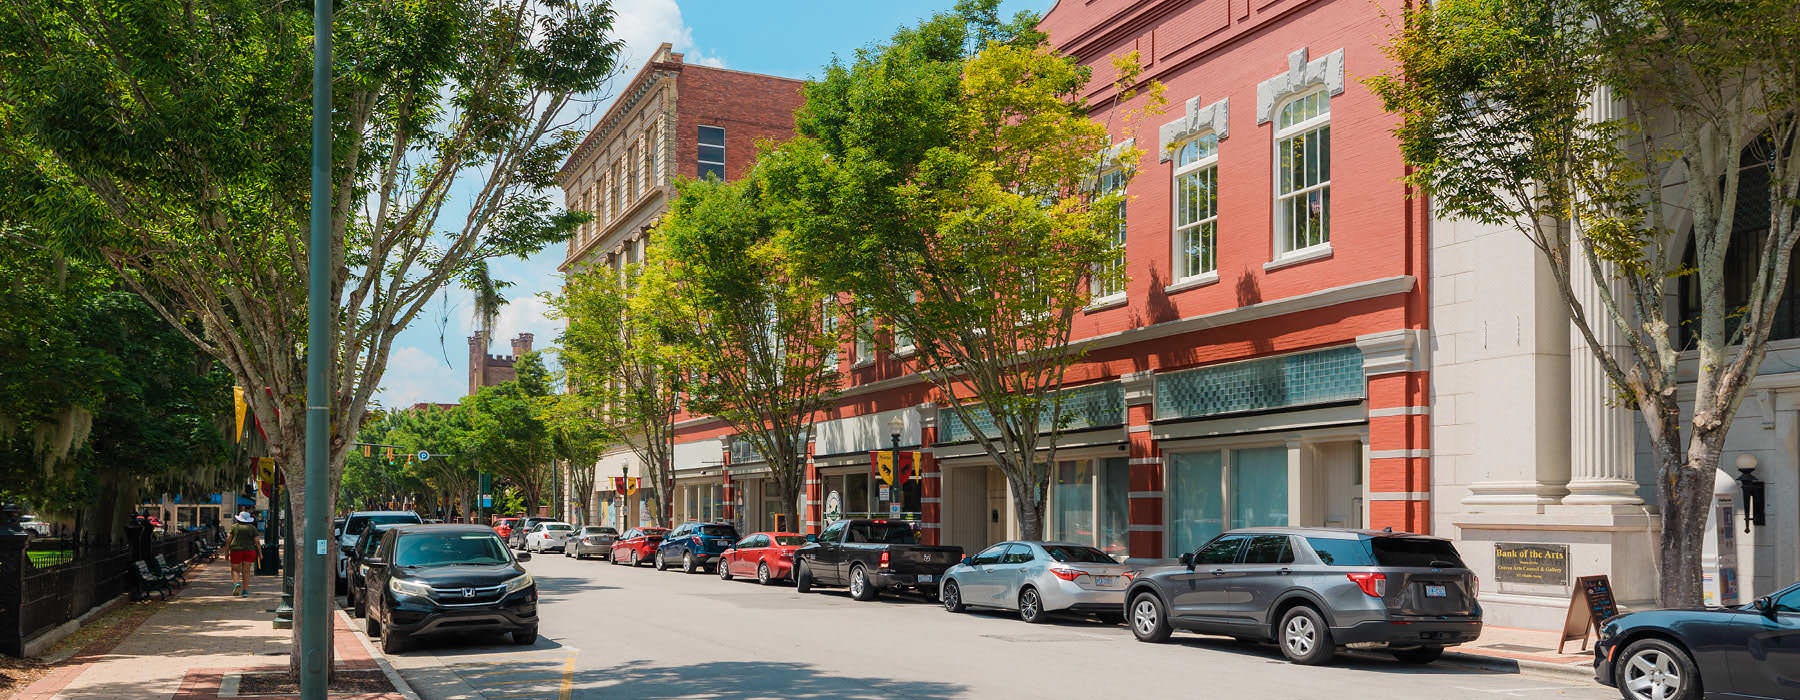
(619, 495)
(895, 424)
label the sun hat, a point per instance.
(245, 518)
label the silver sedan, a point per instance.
(1036, 579)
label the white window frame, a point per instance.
(1285, 252)
(863, 346)
(1178, 247)
(1102, 298)
(904, 345)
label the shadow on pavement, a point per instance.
(1368, 661)
(731, 679)
(554, 588)
(467, 644)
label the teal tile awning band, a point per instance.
(1094, 406)
(1325, 376)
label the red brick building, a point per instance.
(1263, 365)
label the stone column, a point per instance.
(1602, 452)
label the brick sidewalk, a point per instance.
(202, 640)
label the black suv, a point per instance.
(358, 553)
(438, 579)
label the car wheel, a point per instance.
(393, 642)
(724, 570)
(803, 581)
(525, 637)
(1418, 655)
(687, 563)
(1653, 669)
(1304, 638)
(634, 559)
(860, 588)
(762, 574)
(660, 561)
(1031, 606)
(370, 626)
(1148, 623)
(952, 595)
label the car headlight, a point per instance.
(518, 583)
(405, 587)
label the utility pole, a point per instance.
(315, 607)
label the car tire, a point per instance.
(1150, 619)
(860, 587)
(687, 563)
(951, 595)
(762, 574)
(803, 580)
(393, 642)
(1658, 661)
(660, 561)
(634, 559)
(1418, 655)
(370, 626)
(1031, 606)
(724, 570)
(1304, 637)
(525, 637)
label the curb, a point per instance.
(387, 669)
(1496, 663)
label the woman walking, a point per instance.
(243, 552)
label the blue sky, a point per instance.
(793, 38)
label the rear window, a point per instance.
(655, 531)
(1351, 552)
(355, 525)
(598, 531)
(559, 526)
(881, 533)
(1079, 555)
(719, 531)
(790, 540)
(1415, 552)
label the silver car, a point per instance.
(1036, 579)
(592, 539)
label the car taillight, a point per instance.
(1474, 586)
(1130, 574)
(1067, 574)
(884, 560)
(1372, 584)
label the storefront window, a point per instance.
(1073, 500)
(1259, 487)
(1196, 512)
(858, 501)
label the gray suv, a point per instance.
(1313, 590)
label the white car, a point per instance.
(37, 527)
(548, 535)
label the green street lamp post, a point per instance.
(315, 607)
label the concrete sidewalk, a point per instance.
(1534, 650)
(198, 646)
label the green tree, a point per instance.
(170, 138)
(506, 436)
(947, 182)
(751, 332)
(578, 437)
(1495, 101)
(613, 352)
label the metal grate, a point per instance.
(1094, 406)
(1277, 382)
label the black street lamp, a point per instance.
(895, 425)
(619, 493)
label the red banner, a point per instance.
(893, 468)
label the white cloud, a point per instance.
(414, 375)
(645, 24)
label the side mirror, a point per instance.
(524, 556)
(967, 560)
(337, 532)
(1765, 605)
(812, 538)
(1187, 560)
(373, 562)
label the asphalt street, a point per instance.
(615, 632)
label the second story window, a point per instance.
(1197, 207)
(632, 189)
(711, 154)
(618, 187)
(865, 338)
(1303, 174)
(1109, 277)
(829, 322)
(644, 162)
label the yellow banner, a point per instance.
(884, 466)
(242, 406)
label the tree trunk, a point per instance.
(1029, 508)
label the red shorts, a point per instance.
(242, 556)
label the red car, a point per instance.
(766, 556)
(637, 545)
(503, 527)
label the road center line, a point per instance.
(568, 678)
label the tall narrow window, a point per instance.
(865, 337)
(618, 178)
(631, 174)
(1197, 207)
(644, 163)
(711, 155)
(1109, 277)
(829, 321)
(1303, 173)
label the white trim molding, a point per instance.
(1400, 496)
(1139, 387)
(1398, 454)
(1215, 117)
(1344, 294)
(1301, 75)
(1404, 350)
(1400, 411)
(1143, 528)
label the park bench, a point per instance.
(176, 573)
(150, 582)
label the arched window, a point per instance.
(1749, 229)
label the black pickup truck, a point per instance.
(871, 556)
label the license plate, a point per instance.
(1436, 592)
(1106, 580)
(926, 578)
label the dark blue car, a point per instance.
(1752, 651)
(696, 545)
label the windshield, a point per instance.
(1415, 552)
(1078, 555)
(446, 548)
(718, 531)
(881, 533)
(790, 540)
(355, 525)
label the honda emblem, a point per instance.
(468, 592)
